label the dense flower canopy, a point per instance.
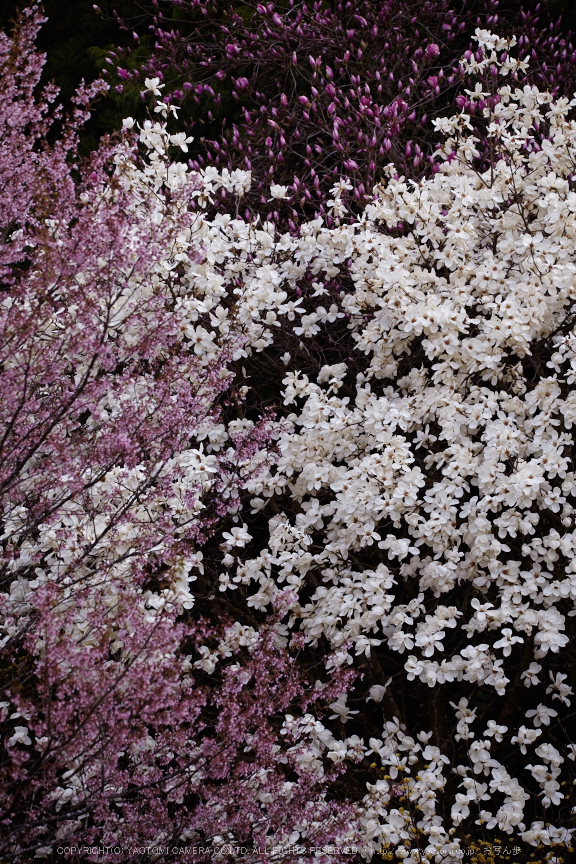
(451, 453)
(373, 655)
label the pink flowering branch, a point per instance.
(111, 732)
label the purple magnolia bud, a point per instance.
(432, 50)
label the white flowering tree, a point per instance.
(420, 515)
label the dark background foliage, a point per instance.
(77, 39)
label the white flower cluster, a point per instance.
(435, 504)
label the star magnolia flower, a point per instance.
(154, 86)
(237, 536)
(279, 193)
(495, 730)
(341, 710)
(507, 641)
(542, 715)
(20, 736)
(377, 691)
